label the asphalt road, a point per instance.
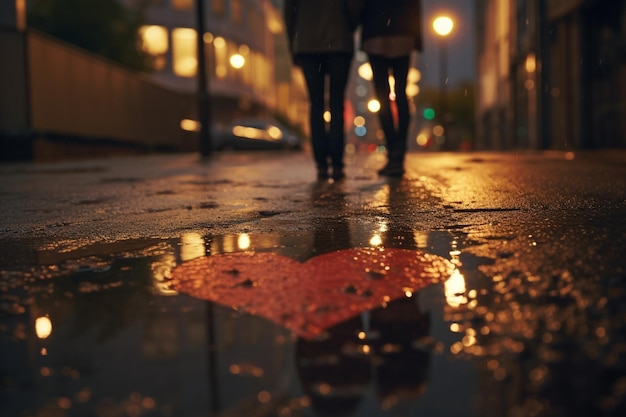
(529, 318)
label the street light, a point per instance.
(443, 26)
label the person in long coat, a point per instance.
(321, 41)
(391, 31)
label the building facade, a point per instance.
(551, 74)
(248, 66)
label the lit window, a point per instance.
(184, 5)
(154, 40)
(184, 58)
(221, 57)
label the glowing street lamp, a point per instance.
(443, 26)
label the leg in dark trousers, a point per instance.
(395, 131)
(338, 73)
(328, 147)
(314, 70)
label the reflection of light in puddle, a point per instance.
(377, 237)
(421, 239)
(161, 273)
(192, 246)
(43, 327)
(243, 241)
(376, 240)
(455, 289)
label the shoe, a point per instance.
(338, 175)
(392, 171)
(322, 173)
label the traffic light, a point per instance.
(429, 113)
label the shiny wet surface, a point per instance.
(531, 319)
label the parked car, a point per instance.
(255, 134)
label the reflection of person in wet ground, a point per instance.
(381, 347)
(332, 230)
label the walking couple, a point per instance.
(321, 41)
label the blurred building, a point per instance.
(59, 101)
(551, 74)
(247, 60)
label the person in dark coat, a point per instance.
(391, 30)
(321, 40)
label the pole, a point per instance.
(443, 99)
(204, 110)
(443, 78)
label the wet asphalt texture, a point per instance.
(527, 317)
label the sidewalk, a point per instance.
(481, 284)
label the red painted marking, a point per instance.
(313, 296)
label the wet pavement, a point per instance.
(481, 284)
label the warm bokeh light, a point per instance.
(531, 63)
(392, 87)
(243, 241)
(373, 105)
(376, 240)
(455, 289)
(43, 327)
(190, 125)
(443, 25)
(154, 38)
(365, 71)
(244, 49)
(414, 75)
(237, 61)
(422, 139)
(412, 90)
(327, 116)
(275, 24)
(219, 42)
(221, 59)
(184, 59)
(192, 246)
(275, 132)
(359, 121)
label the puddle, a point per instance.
(101, 330)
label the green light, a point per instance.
(429, 114)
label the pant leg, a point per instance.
(314, 70)
(400, 68)
(380, 71)
(338, 72)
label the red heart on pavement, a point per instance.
(310, 297)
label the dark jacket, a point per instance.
(319, 26)
(392, 17)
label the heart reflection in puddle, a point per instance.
(308, 298)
